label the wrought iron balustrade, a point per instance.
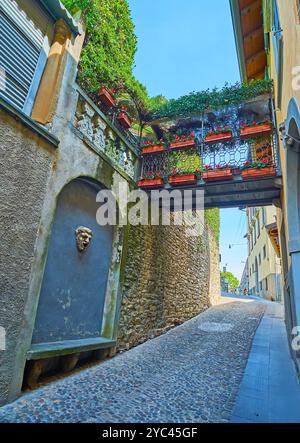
(234, 154)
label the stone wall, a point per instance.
(25, 165)
(169, 278)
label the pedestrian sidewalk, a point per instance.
(270, 389)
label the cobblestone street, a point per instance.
(191, 374)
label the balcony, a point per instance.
(237, 165)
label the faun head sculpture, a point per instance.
(83, 238)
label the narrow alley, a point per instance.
(229, 364)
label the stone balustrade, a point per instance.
(102, 136)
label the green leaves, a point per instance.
(198, 102)
(212, 218)
(232, 280)
(110, 44)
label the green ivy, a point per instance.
(185, 161)
(198, 102)
(110, 45)
(212, 218)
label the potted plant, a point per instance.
(123, 118)
(178, 177)
(218, 173)
(151, 180)
(106, 96)
(219, 135)
(255, 129)
(264, 168)
(149, 147)
(183, 141)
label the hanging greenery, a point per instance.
(110, 45)
(198, 102)
(185, 161)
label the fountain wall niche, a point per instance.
(75, 279)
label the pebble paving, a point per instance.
(191, 374)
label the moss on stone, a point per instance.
(212, 218)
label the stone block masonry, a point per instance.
(169, 277)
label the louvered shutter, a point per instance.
(20, 47)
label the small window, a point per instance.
(263, 216)
(264, 252)
(267, 286)
(259, 259)
(260, 285)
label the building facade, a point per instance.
(264, 267)
(244, 283)
(267, 36)
(71, 288)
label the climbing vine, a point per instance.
(110, 45)
(185, 161)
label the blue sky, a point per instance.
(186, 46)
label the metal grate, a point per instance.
(20, 46)
(234, 154)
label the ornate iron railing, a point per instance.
(234, 154)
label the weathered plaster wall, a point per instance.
(32, 179)
(169, 278)
(25, 166)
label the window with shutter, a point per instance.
(22, 35)
(278, 50)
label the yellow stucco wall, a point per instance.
(290, 24)
(269, 266)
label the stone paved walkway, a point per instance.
(190, 374)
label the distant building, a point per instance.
(244, 284)
(264, 266)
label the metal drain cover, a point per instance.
(215, 327)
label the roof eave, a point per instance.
(238, 35)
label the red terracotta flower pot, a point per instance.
(183, 179)
(217, 138)
(217, 175)
(183, 144)
(124, 120)
(258, 172)
(153, 149)
(150, 183)
(255, 131)
(106, 97)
